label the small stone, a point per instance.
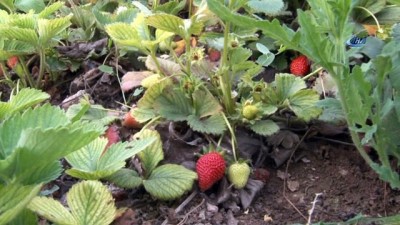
(202, 214)
(267, 218)
(293, 185)
(305, 160)
(282, 175)
(231, 219)
(343, 172)
(212, 208)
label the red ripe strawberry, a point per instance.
(12, 62)
(130, 122)
(214, 55)
(300, 66)
(210, 168)
(112, 135)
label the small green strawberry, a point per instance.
(238, 174)
(250, 112)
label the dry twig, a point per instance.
(286, 172)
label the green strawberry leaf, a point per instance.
(169, 181)
(42, 173)
(265, 127)
(239, 55)
(387, 174)
(27, 5)
(315, 45)
(124, 35)
(152, 154)
(273, 29)
(50, 9)
(125, 178)
(24, 99)
(32, 156)
(287, 85)
(91, 162)
(19, 34)
(13, 199)
(357, 93)
(26, 216)
(8, 5)
(9, 48)
(90, 203)
(52, 210)
(267, 57)
(182, 27)
(152, 93)
(304, 104)
(269, 7)
(332, 111)
(95, 114)
(141, 27)
(171, 7)
(50, 28)
(268, 109)
(173, 105)
(214, 124)
(143, 115)
(205, 104)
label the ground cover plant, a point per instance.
(186, 100)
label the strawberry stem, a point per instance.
(373, 17)
(148, 124)
(312, 73)
(233, 137)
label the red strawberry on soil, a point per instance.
(130, 122)
(210, 168)
(300, 66)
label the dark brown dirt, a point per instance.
(347, 186)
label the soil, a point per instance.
(345, 184)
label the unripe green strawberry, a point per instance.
(210, 168)
(250, 112)
(238, 174)
(150, 80)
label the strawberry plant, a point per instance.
(368, 93)
(30, 148)
(167, 181)
(92, 162)
(39, 31)
(89, 203)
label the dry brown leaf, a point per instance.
(133, 79)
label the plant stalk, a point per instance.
(188, 52)
(233, 137)
(156, 62)
(5, 71)
(41, 68)
(28, 75)
(224, 79)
